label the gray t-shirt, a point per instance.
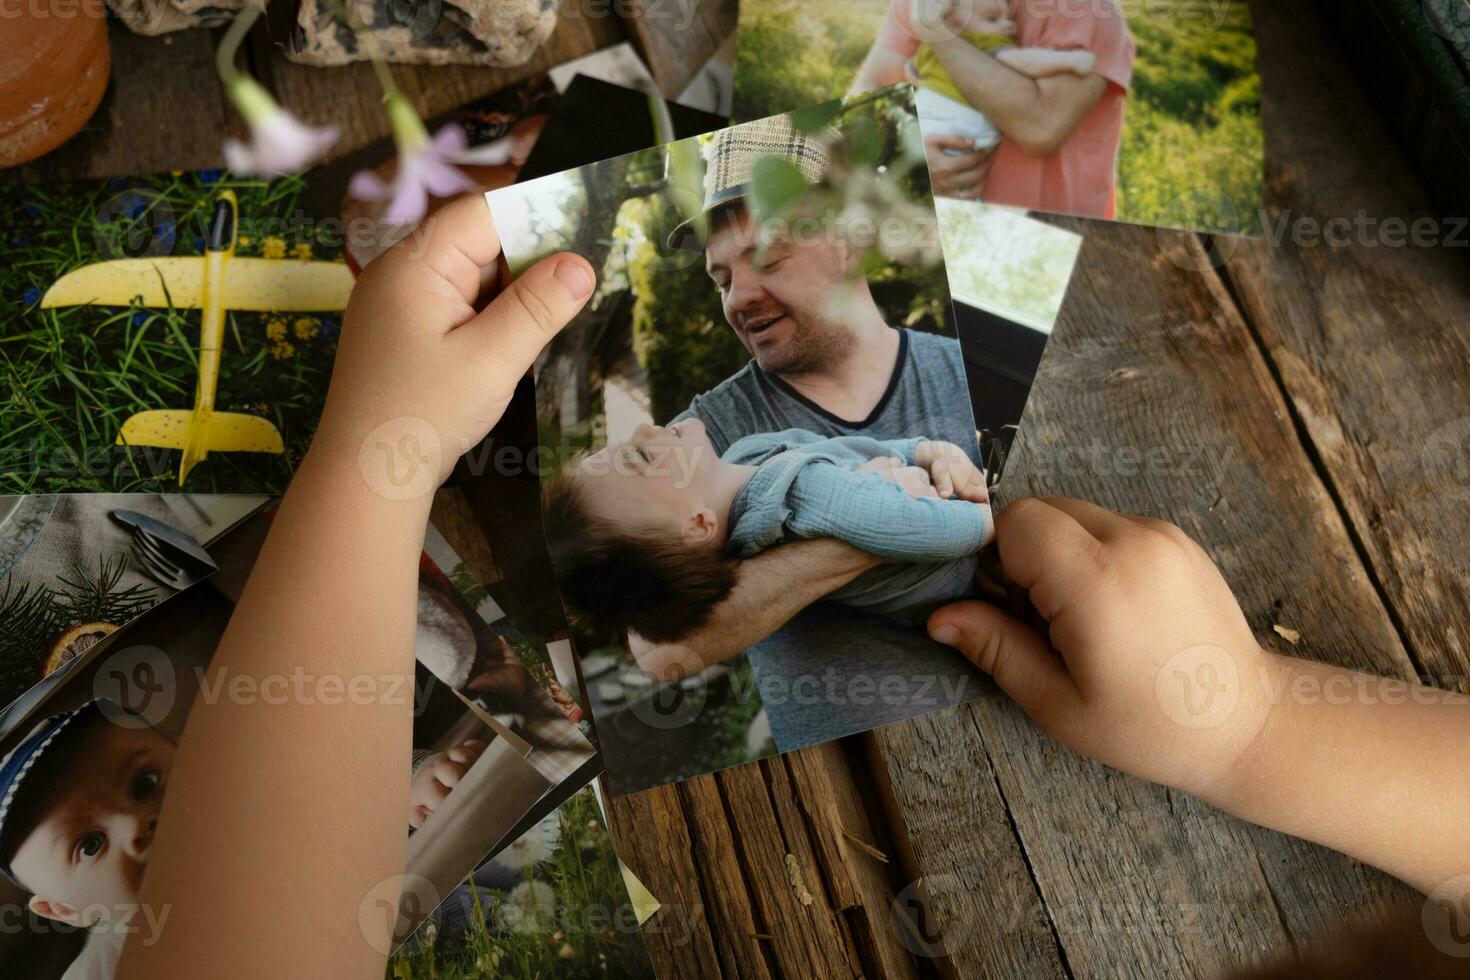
(834, 670)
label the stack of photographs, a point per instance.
(712, 524)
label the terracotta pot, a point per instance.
(54, 62)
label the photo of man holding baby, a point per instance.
(762, 521)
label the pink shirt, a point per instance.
(1080, 178)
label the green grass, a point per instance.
(1192, 144)
(73, 375)
(591, 934)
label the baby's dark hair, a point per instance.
(620, 579)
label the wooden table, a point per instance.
(1313, 408)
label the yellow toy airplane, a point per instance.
(212, 284)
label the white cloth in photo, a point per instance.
(445, 641)
(939, 115)
(98, 958)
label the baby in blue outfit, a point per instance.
(647, 535)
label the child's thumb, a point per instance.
(518, 323)
(1020, 660)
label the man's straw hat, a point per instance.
(730, 159)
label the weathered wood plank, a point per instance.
(676, 37)
(1368, 331)
(653, 839)
(1150, 354)
(129, 134)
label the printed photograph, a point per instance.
(75, 568)
(1145, 111)
(174, 333)
(555, 903)
(493, 750)
(763, 469)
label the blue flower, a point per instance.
(138, 319)
(134, 205)
(199, 243)
(31, 210)
(210, 176)
(21, 240)
(328, 327)
(31, 296)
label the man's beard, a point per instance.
(812, 349)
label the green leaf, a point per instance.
(813, 117)
(775, 185)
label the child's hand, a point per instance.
(434, 781)
(952, 472)
(423, 369)
(1151, 667)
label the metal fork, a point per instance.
(158, 565)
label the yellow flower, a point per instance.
(273, 247)
(275, 328)
(301, 251)
(306, 328)
(283, 349)
(245, 239)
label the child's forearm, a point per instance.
(329, 608)
(1370, 766)
(1046, 62)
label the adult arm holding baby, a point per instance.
(1151, 667)
(775, 585)
(283, 819)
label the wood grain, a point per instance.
(1370, 339)
(128, 134)
(676, 37)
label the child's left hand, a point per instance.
(435, 781)
(953, 473)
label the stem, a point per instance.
(224, 58)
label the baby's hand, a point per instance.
(434, 781)
(1151, 667)
(423, 372)
(915, 481)
(953, 473)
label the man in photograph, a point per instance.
(823, 359)
(1043, 86)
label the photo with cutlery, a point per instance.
(768, 441)
(75, 568)
(494, 752)
(1146, 111)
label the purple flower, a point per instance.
(279, 142)
(428, 169)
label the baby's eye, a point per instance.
(145, 785)
(91, 844)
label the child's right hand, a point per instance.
(422, 371)
(1151, 667)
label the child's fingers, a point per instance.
(502, 341)
(1101, 523)
(457, 244)
(1023, 664)
(1047, 552)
